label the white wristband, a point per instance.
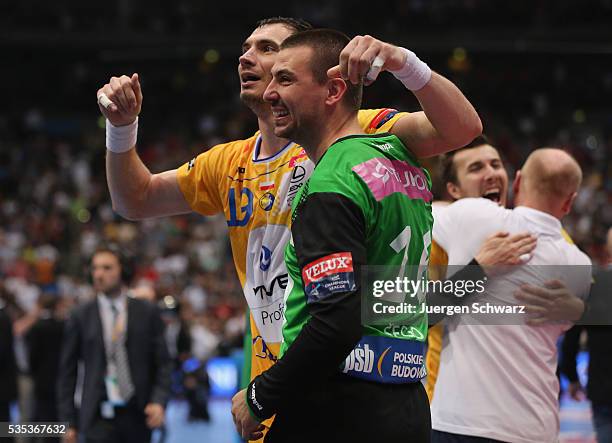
(414, 74)
(121, 139)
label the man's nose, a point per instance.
(270, 94)
(247, 59)
(490, 173)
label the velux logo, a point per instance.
(334, 263)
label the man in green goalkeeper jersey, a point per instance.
(368, 202)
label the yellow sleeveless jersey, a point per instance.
(255, 194)
(438, 260)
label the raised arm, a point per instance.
(135, 192)
(448, 120)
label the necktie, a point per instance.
(119, 355)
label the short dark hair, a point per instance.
(296, 24)
(327, 44)
(448, 172)
(124, 257)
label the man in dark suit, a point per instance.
(120, 341)
(8, 369)
(44, 342)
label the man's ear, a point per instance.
(453, 190)
(336, 88)
(517, 183)
(568, 203)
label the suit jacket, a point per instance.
(44, 346)
(148, 358)
(8, 368)
(597, 321)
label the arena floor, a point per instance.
(575, 424)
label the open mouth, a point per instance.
(493, 195)
(280, 113)
(249, 78)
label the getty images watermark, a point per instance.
(392, 291)
(462, 294)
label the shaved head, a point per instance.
(551, 172)
(548, 181)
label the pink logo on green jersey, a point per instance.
(384, 177)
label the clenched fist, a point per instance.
(120, 100)
(364, 57)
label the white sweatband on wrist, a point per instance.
(120, 139)
(414, 74)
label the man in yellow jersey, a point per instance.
(477, 170)
(253, 181)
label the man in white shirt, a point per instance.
(477, 170)
(498, 382)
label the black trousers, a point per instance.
(128, 426)
(5, 410)
(45, 409)
(349, 410)
(5, 415)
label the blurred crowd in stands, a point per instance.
(54, 203)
